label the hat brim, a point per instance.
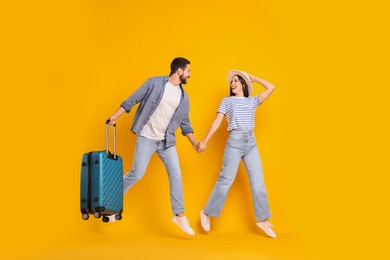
(243, 75)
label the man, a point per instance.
(164, 106)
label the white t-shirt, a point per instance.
(240, 112)
(158, 123)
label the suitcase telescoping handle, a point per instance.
(107, 123)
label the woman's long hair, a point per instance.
(244, 87)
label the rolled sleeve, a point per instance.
(136, 97)
(186, 127)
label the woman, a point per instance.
(239, 110)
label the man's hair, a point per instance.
(244, 87)
(178, 63)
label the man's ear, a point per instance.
(179, 71)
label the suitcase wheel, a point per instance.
(97, 215)
(118, 216)
(105, 219)
(85, 216)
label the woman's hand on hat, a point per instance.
(251, 77)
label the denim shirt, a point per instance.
(150, 94)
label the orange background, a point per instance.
(323, 134)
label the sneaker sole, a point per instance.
(201, 222)
(177, 223)
(266, 232)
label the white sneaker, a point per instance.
(266, 226)
(182, 222)
(111, 218)
(204, 221)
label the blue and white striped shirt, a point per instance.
(239, 112)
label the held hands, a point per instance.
(200, 146)
(196, 146)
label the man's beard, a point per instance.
(183, 80)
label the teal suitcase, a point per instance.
(101, 183)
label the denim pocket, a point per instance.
(235, 136)
(235, 140)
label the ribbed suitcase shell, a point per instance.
(106, 184)
(101, 183)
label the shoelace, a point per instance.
(267, 223)
(185, 219)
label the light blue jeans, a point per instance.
(144, 150)
(240, 145)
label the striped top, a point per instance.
(239, 112)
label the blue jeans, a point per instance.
(240, 145)
(144, 150)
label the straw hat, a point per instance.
(244, 75)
